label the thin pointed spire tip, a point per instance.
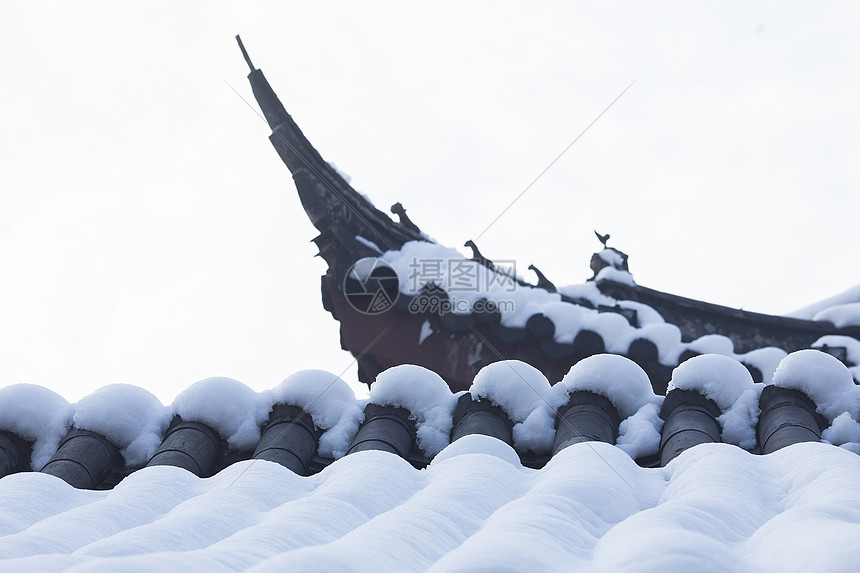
(245, 53)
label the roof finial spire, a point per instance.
(245, 53)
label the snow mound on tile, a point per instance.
(739, 422)
(536, 433)
(713, 344)
(667, 337)
(229, 407)
(329, 401)
(38, 415)
(764, 359)
(639, 435)
(843, 430)
(851, 345)
(524, 393)
(616, 377)
(478, 444)
(645, 315)
(720, 378)
(852, 351)
(590, 292)
(516, 387)
(129, 416)
(615, 275)
(427, 397)
(823, 378)
(614, 329)
(729, 384)
(629, 389)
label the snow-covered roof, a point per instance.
(474, 508)
(475, 503)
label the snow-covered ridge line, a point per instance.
(135, 421)
(466, 281)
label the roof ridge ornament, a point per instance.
(608, 257)
(399, 210)
(477, 256)
(602, 238)
(543, 282)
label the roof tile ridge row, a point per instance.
(812, 392)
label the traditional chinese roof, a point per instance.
(620, 440)
(550, 328)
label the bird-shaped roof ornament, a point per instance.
(602, 238)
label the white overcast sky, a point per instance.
(150, 235)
